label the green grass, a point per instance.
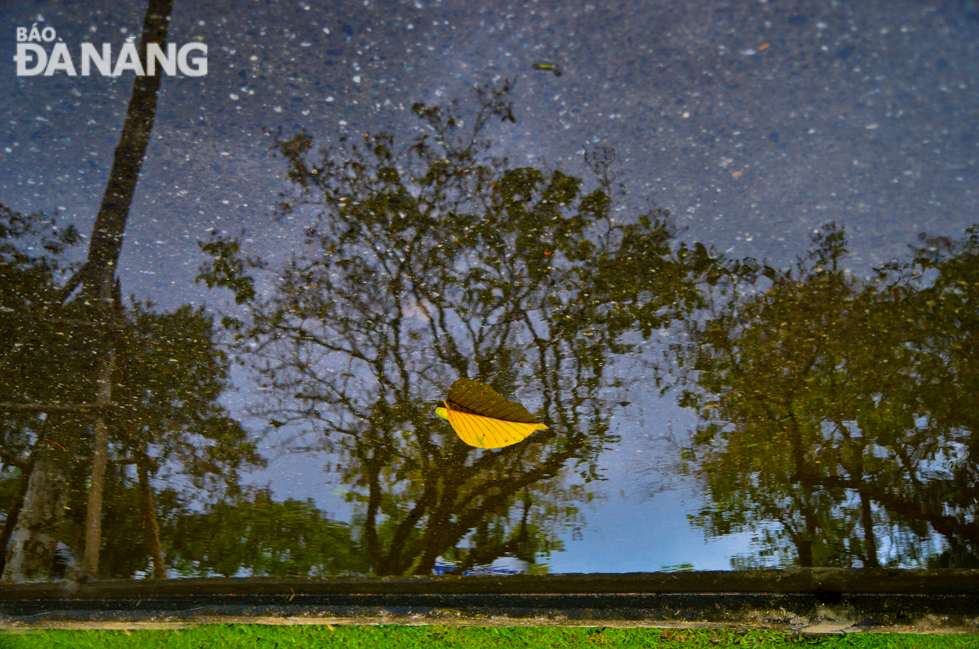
(464, 637)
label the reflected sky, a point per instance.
(753, 123)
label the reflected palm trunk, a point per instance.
(103, 254)
(100, 454)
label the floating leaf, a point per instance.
(484, 418)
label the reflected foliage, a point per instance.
(434, 262)
(246, 533)
(255, 535)
(839, 416)
(164, 419)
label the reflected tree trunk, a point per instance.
(34, 540)
(110, 224)
(15, 506)
(100, 458)
(803, 539)
(103, 254)
(149, 515)
(869, 540)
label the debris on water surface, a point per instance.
(549, 67)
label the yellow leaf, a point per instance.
(484, 418)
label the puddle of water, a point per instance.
(693, 265)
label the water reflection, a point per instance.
(166, 376)
(421, 265)
(95, 390)
(836, 414)
(838, 417)
(436, 263)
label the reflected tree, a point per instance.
(33, 264)
(836, 424)
(72, 396)
(164, 419)
(936, 294)
(434, 262)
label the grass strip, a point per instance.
(246, 636)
